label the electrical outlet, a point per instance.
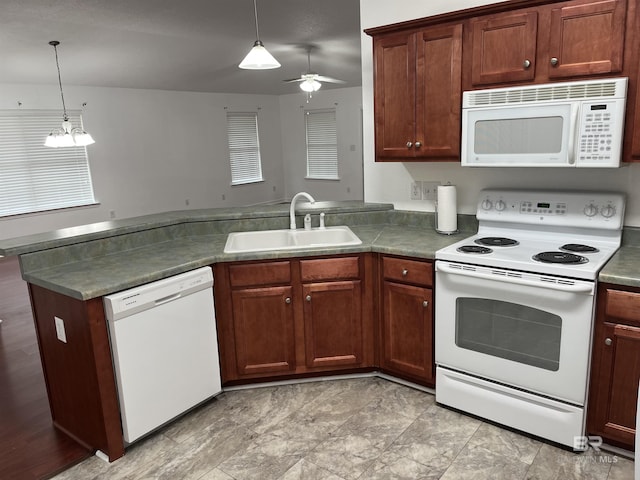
(416, 190)
(429, 190)
(60, 331)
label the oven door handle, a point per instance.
(574, 288)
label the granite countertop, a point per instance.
(623, 268)
(95, 260)
(102, 275)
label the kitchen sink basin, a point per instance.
(264, 240)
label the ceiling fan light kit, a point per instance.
(311, 82)
(258, 57)
(67, 135)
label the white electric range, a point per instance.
(515, 305)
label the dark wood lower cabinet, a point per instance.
(79, 373)
(295, 317)
(333, 324)
(406, 346)
(408, 331)
(615, 370)
(263, 328)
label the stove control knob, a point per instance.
(486, 204)
(500, 205)
(608, 211)
(590, 210)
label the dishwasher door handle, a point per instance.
(167, 299)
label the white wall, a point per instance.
(157, 149)
(390, 182)
(348, 105)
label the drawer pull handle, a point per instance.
(287, 300)
(405, 272)
(409, 144)
(554, 61)
(308, 298)
(425, 304)
(418, 144)
(526, 64)
(608, 341)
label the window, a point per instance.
(244, 147)
(322, 144)
(35, 178)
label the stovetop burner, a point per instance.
(559, 257)
(474, 249)
(578, 248)
(497, 241)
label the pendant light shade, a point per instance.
(258, 57)
(67, 135)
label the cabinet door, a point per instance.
(587, 39)
(264, 330)
(407, 336)
(395, 98)
(504, 48)
(333, 323)
(614, 386)
(438, 92)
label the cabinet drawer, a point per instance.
(623, 305)
(267, 273)
(408, 271)
(343, 268)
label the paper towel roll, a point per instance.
(446, 210)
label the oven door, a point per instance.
(525, 330)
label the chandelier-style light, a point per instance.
(258, 57)
(66, 135)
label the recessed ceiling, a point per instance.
(188, 45)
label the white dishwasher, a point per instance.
(165, 349)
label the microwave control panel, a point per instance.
(600, 132)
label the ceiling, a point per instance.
(188, 45)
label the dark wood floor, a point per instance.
(30, 448)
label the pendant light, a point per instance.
(258, 57)
(66, 135)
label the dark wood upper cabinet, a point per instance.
(418, 94)
(587, 38)
(504, 48)
(553, 42)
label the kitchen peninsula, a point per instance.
(70, 270)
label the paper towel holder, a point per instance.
(437, 216)
(443, 232)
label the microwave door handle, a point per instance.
(573, 132)
(579, 288)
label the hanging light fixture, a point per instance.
(66, 135)
(258, 57)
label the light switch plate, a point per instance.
(416, 190)
(429, 190)
(60, 331)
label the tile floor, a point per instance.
(364, 428)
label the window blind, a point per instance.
(244, 147)
(322, 144)
(35, 178)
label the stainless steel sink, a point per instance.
(264, 240)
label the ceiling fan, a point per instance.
(311, 81)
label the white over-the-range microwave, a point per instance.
(569, 124)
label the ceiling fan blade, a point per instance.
(292, 80)
(322, 78)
